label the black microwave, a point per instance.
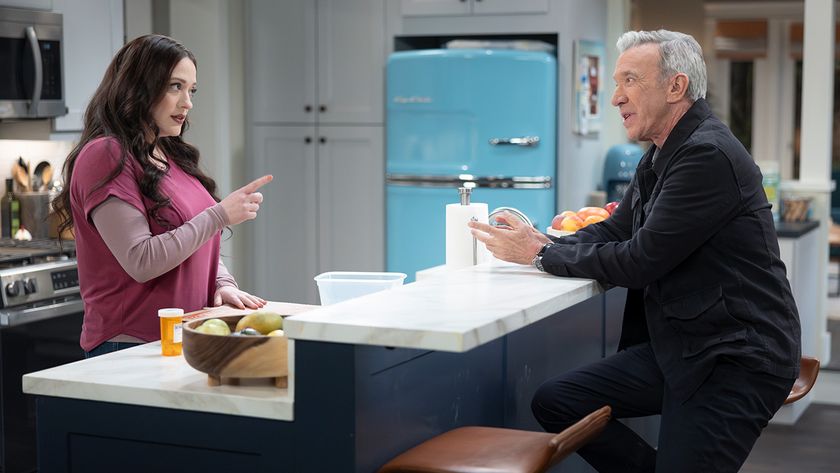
(31, 84)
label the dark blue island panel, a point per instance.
(355, 407)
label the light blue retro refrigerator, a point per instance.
(480, 117)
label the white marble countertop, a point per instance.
(450, 311)
(142, 376)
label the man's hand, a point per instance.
(516, 242)
(239, 299)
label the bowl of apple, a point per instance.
(235, 347)
(569, 221)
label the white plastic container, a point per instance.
(338, 286)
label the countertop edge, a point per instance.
(141, 376)
(133, 395)
(795, 229)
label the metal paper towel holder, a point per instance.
(516, 213)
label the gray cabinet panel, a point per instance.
(351, 61)
(351, 208)
(285, 231)
(316, 61)
(281, 61)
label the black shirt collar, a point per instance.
(695, 115)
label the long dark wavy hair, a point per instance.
(135, 81)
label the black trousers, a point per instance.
(713, 431)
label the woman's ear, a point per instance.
(677, 88)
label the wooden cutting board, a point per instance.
(282, 308)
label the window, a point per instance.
(741, 101)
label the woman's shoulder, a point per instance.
(99, 158)
(103, 152)
(101, 147)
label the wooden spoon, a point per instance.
(42, 176)
(21, 175)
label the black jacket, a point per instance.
(693, 239)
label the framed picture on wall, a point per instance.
(588, 88)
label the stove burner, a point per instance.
(14, 253)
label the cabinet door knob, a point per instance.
(322, 139)
(307, 108)
(307, 140)
(322, 108)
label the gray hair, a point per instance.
(678, 52)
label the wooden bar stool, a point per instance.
(809, 368)
(491, 449)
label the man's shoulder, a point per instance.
(714, 134)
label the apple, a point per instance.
(571, 223)
(610, 207)
(589, 211)
(557, 221)
(593, 219)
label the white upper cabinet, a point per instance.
(93, 33)
(317, 61)
(282, 50)
(472, 7)
(351, 61)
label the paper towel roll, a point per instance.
(459, 240)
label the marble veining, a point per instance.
(141, 376)
(447, 311)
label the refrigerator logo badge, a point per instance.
(412, 99)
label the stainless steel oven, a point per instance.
(31, 79)
(41, 315)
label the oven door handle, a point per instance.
(32, 314)
(39, 70)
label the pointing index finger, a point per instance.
(257, 183)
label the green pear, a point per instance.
(263, 322)
(214, 327)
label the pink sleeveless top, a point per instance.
(114, 302)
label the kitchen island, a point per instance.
(371, 377)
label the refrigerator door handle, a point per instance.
(468, 180)
(521, 141)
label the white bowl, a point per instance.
(558, 233)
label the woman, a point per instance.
(146, 219)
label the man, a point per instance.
(710, 337)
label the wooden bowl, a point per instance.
(234, 357)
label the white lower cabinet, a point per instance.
(324, 211)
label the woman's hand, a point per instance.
(243, 203)
(239, 299)
(515, 242)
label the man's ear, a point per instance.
(677, 88)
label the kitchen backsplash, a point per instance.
(54, 152)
